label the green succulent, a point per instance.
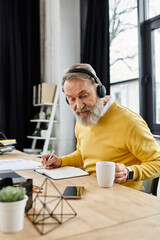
(12, 194)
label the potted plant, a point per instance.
(12, 206)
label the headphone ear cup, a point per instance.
(101, 91)
(67, 100)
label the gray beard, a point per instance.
(94, 116)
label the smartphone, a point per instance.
(73, 192)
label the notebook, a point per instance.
(7, 142)
(16, 178)
(62, 173)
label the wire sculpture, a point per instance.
(49, 211)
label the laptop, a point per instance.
(16, 178)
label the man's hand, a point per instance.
(54, 162)
(121, 173)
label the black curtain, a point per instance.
(19, 66)
(95, 37)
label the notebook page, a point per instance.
(63, 172)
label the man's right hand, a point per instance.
(54, 162)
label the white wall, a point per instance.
(60, 48)
(69, 54)
(50, 40)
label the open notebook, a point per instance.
(63, 172)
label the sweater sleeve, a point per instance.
(75, 158)
(145, 148)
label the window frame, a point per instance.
(145, 65)
(149, 26)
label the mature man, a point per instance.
(106, 131)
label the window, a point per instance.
(156, 74)
(127, 94)
(149, 15)
(124, 52)
(118, 96)
(153, 7)
(152, 71)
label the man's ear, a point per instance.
(105, 100)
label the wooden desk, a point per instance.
(103, 213)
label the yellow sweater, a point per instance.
(120, 136)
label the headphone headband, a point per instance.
(101, 90)
(85, 71)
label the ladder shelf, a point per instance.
(50, 122)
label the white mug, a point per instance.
(105, 173)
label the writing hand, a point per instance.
(53, 162)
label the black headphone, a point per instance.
(101, 90)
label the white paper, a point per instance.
(18, 164)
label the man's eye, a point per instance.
(83, 96)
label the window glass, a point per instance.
(156, 74)
(153, 8)
(127, 94)
(123, 40)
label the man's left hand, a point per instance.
(121, 173)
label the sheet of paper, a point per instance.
(18, 164)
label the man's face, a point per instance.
(82, 97)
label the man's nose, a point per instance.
(79, 105)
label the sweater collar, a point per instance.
(107, 106)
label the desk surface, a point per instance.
(103, 213)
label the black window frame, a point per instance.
(145, 65)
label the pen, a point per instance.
(49, 157)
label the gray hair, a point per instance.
(83, 76)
